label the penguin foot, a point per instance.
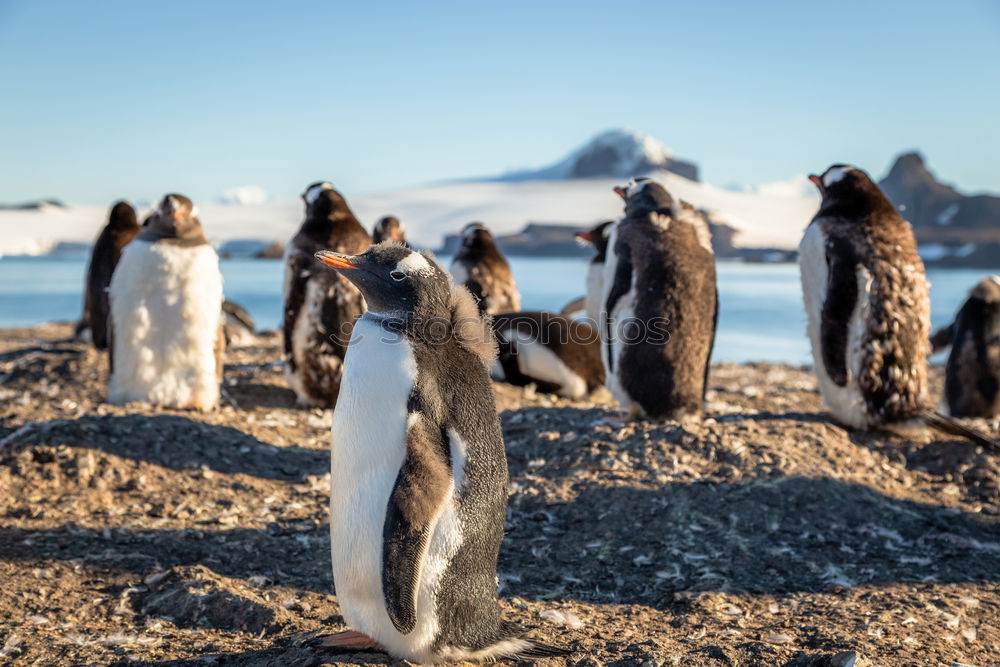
(348, 640)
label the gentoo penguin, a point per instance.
(972, 379)
(558, 354)
(389, 228)
(660, 305)
(166, 314)
(867, 303)
(320, 306)
(121, 228)
(480, 267)
(419, 474)
(868, 308)
(598, 238)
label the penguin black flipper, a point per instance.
(942, 338)
(620, 286)
(838, 306)
(421, 487)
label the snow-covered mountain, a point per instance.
(615, 153)
(576, 190)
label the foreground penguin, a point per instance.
(868, 308)
(972, 379)
(481, 268)
(598, 238)
(121, 229)
(389, 228)
(166, 314)
(320, 306)
(558, 354)
(419, 474)
(660, 305)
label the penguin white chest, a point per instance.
(368, 450)
(595, 290)
(846, 402)
(614, 319)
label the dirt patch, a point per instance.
(766, 535)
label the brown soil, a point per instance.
(765, 536)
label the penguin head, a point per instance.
(389, 228)
(987, 290)
(850, 192)
(322, 200)
(394, 280)
(122, 216)
(175, 218)
(411, 289)
(598, 238)
(643, 194)
(476, 236)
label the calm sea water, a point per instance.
(761, 316)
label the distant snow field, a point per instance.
(763, 218)
(770, 215)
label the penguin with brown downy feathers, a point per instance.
(390, 228)
(120, 230)
(320, 306)
(972, 377)
(660, 305)
(482, 269)
(419, 472)
(166, 336)
(556, 353)
(868, 308)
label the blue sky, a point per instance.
(107, 99)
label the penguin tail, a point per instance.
(952, 427)
(510, 644)
(537, 651)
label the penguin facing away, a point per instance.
(165, 297)
(660, 305)
(867, 303)
(558, 354)
(419, 473)
(389, 228)
(121, 229)
(598, 238)
(972, 378)
(868, 309)
(482, 269)
(320, 306)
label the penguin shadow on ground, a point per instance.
(766, 416)
(282, 555)
(618, 544)
(178, 443)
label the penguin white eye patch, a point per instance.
(835, 175)
(412, 263)
(313, 193)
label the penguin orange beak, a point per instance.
(178, 215)
(584, 236)
(335, 259)
(816, 181)
(620, 191)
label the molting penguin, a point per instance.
(166, 338)
(480, 267)
(320, 306)
(598, 238)
(660, 305)
(868, 308)
(867, 303)
(558, 354)
(389, 228)
(972, 380)
(238, 325)
(121, 228)
(419, 486)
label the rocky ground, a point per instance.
(765, 536)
